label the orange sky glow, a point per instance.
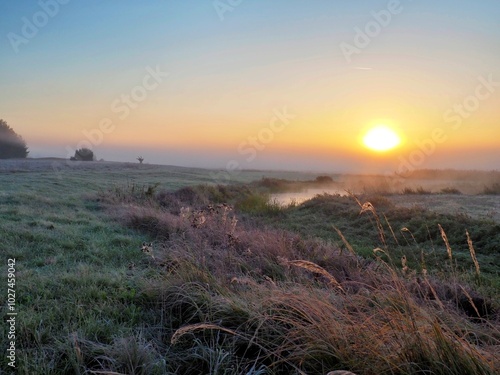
(268, 84)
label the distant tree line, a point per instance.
(12, 145)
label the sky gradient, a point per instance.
(282, 84)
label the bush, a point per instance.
(12, 145)
(258, 204)
(324, 179)
(84, 154)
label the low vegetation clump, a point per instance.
(493, 189)
(450, 190)
(324, 179)
(418, 190)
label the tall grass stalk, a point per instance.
(344, 240)
(447, 244)
(473, 255)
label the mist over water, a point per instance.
(287, 198)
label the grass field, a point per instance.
(234, 284)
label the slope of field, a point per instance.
(72, 260)
(221, 290)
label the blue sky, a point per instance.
(227, 76)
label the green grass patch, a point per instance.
(236, 284)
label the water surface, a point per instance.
(287, 198)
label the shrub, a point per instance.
(273, 184)
(450, 190)
(324, 179)
(258, 204)
(12, 145)
(418, 191)
(84, 154)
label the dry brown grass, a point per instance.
(447, 244)
(179, 333)
(344, 241)
(473, 254)
(310, 266)
(235, 278)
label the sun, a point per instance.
(381, 138)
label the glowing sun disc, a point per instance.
(381, 138)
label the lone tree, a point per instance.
(12, 145)
(141, 159)
(83, 154)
